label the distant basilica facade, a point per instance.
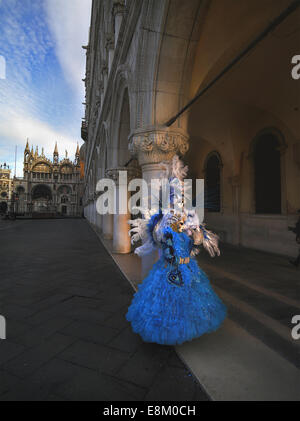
(49, 187)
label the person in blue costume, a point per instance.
(175, 303)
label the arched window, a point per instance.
(212, 192)
(267, 174)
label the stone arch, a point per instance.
(266, 130)
(3, 207)
(41, 191)
(20, 190)
(190, 51)
(124, 130)
(64, 189)
(268, 181)
(121, 123)
(166, 60)
(213, 182)
(103, 151)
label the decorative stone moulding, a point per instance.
(118, 7)
(132, 172)
(110, 41)
(104, 68)
(154, 146)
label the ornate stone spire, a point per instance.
(77, 156)
(27, 146)
(55, 154)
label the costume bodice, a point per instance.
(176, 245)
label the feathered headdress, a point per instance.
(149, 229)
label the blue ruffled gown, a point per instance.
(175, 303)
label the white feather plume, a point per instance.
(211, 242)
(139, 230)
(146, 248)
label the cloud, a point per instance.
(69, 21)
(42, 93)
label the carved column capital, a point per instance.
(110, 41)
(154, 146)
(104, 68)
(118, 7)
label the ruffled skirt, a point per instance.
(170, 314)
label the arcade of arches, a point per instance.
(146, 60)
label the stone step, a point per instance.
(233, 365)
(262, 312)
(272, 333)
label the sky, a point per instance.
(42, 66)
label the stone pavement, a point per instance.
(64, 300)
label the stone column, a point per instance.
(110, 44)
(107, 223)
(121, 239)
(104, 73)
(107, 226)
(118, 11)
(235, 182)
(151, 147)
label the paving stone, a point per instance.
(81, 291)
(174, 384)
(8, 381)
(116, 321)
(90, 332)
(24, 391)
(31, 359)
(95, 356)
(16, 312)
(69, 299)
(94, 386)
(9, 350)
(87, 314)
(144, 365)
(55, 373)
(126, 340)
(174, 360)
(36, 335)
(51, 300)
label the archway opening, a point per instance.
(42, 192)
(3, 207)
(212, 197)
(267, 173)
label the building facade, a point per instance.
(49, 187)
(6, 186)
(147, 59)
